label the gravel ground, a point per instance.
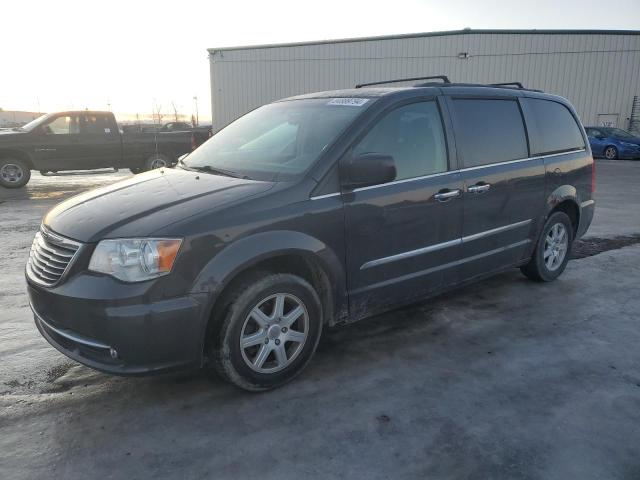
(503, 379)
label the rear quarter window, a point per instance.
(553, 128)
(489, 131)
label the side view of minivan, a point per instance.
(307, 213)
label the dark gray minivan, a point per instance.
(310, 212)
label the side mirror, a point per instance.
(369, 169)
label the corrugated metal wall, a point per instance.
(598, 73)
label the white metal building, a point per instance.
(597, 70)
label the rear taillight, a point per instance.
(193, 142)
(593, 177)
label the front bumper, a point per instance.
(121, 336)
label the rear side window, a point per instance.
(489, 131)
(95, 125)
(413, 136)
(554, 128)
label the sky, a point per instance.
(132, 56)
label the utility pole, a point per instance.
(197, 116)
(175, 111)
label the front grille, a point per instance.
(50, 257)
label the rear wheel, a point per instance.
(552, 250)
(157, 160)
(611, 152)
(14, 173)
(270, 330)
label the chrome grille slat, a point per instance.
(46, 276)
(51, 249)
(50, 257)
(47, 267)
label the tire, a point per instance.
(272, 357)
(552, 251)
(610, 152)
(14, 173)
(157, 160)
(136, 170)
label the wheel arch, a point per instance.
(565, 199)
(19, 154)
(276, 252)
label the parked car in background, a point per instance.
(200, 133)
(612, 143)
(176, 127)
(310, 212)
(84, 140)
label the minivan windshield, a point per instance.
(276, 142)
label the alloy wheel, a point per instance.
(556, 245)
(274, 333)
(610, 153)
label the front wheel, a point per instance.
(269, 331)
(552, 250)
(14, 173)
(611, 152)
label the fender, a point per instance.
(559, 195)
(247, 252)
(555, 198)
(17, 152)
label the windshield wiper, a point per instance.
(219, 171)
(181, 164)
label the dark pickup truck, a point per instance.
(84, 140)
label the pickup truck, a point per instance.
(200, 134)
(84, 140)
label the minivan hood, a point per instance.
(145, 203)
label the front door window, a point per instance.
(65, 125)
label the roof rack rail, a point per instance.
(444, 79)
(508, 84)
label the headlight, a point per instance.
(135, 259)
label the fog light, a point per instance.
(113, 352)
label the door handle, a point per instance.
(446, 195)
(479, 188)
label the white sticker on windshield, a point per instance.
(350, 102)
